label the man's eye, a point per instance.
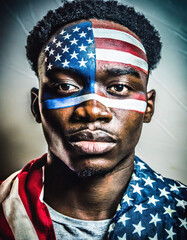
(119, 89)
(66, 87)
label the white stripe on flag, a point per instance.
(120, 57)
(17, 217)
(117, 35)
(128, 104)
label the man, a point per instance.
(93, 60)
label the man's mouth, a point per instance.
(92, 142)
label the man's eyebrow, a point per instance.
(119, 72)
(71, 72)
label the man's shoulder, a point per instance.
(167, 188)
(152, 206)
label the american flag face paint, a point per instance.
(83, 48)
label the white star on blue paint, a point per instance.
(74, 55)
(57, 57)
(91, 55)
(82, 34)
(82, 47)
(74, 41)
(65, 49)
(76, 29)
(58, 44)
(82, 63)
(65, 63)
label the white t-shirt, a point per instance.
(75, 229)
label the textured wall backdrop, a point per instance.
(163, 142)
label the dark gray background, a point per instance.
(163, 142)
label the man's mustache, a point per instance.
(96, 135)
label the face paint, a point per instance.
(83, 47)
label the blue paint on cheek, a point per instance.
(74, 49)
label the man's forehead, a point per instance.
(100, 23)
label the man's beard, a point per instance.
(91, 172)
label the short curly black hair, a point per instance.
(99, 9)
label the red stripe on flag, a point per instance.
(118, 27)
(107, 43)
(5, 230)
(104, 64)
(30, 186)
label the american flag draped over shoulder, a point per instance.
(152, 207)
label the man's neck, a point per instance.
(91, 198)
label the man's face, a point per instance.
(87, 118)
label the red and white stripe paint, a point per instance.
(118, 46)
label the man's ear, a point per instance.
(34, 105)
(150, 106)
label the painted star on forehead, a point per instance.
(159, 176)
(49, 66)
(124, 237)
(57, 57)
(82, 47)
(46, 48)
(170, 233)
(148, 181)
(89, 28)
(51, 52)
(89, 40)
(142, 165)
(154, 219)
(67, 36)
(74, 41)
(180, 203)
(54, 40)
(91, 55)
(137, 188)
(173, 187)
(82, 63)
(76, 29)
(65, 63)
(163, 193)
(123, 219)
(138, 228)
(183, 223)
(82, 34)
(169, 210)
(127, 199)
(139, 208)
(65, 49)
(152, 200)
(74, 55)
(58, 44)
(154, 238)
(62, 32)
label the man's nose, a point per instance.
(91, 111)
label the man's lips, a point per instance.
(92, 142)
